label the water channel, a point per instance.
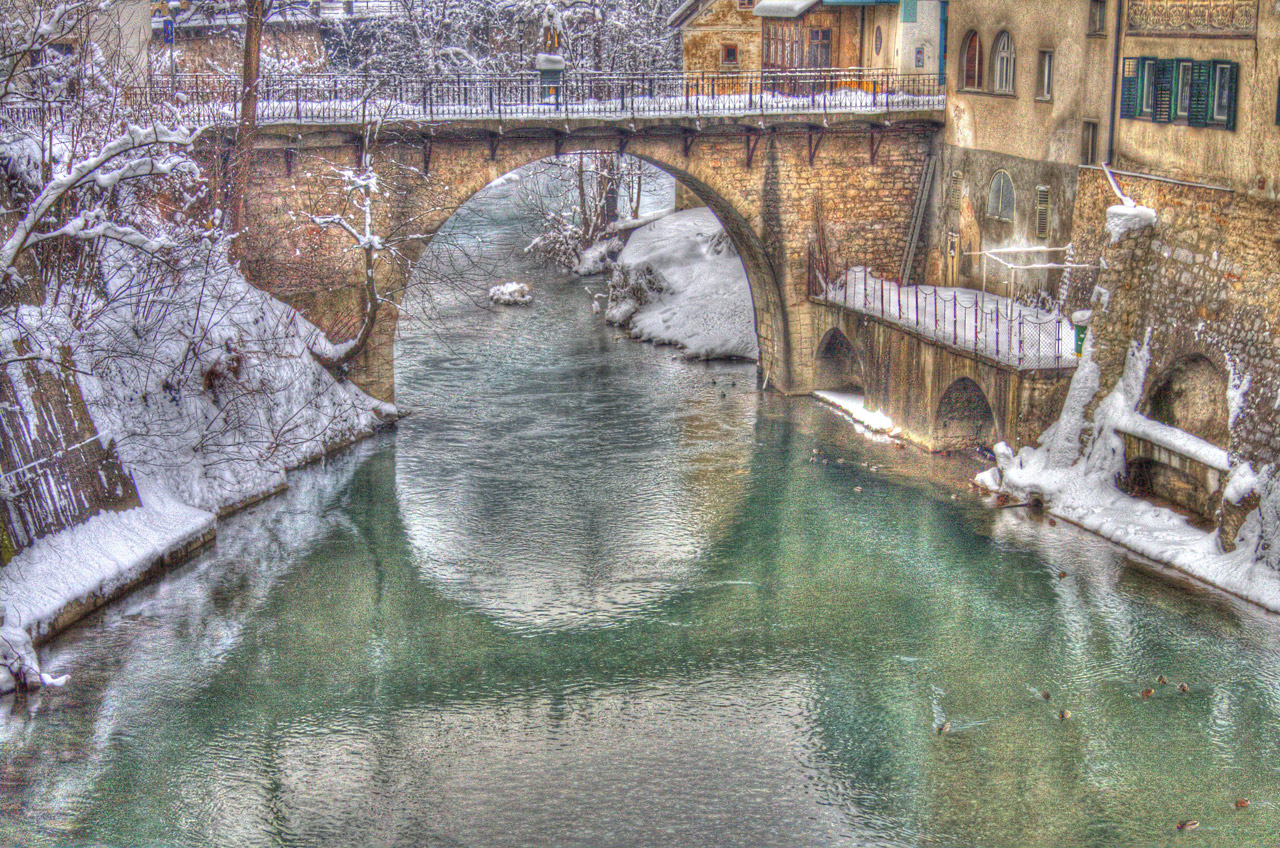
(593, 595)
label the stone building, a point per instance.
(746, 35)
(1056, 114)
(1196, 141)
(1027, 105)
(718, 35)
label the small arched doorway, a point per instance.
(964, 418)
(1192, 396)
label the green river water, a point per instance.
(590, 594)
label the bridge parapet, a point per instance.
(327, 99)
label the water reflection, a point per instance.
(587, 596)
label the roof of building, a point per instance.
(684, 11)
(783, 8)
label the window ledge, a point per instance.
(1044, 99)
(1007, 95)
(1095, 34)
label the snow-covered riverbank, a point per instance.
(214, 402)
(679, 281)
(1076, 480)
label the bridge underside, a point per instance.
(774, 186)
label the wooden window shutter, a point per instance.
(1233, 83)
(953, 192)
(1130, 89)
(1166, 76)
(1201, 77)
(1042, 212)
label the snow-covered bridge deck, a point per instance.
(987, 325)
(342, 100)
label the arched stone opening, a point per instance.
(964, 418)
(769, 305)
(836, 364)
(1191, 395)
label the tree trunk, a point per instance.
(256, 12)
(338, 364)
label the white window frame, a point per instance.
(1044, 84)
(1220, 72)
(1182, 93)
(1147, 101)
(1003, 64)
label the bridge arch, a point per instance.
(836, 364)
(736, 208)
(964, 418)
(765, 179)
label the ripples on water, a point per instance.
(592, 595)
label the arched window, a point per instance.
(1000, 197)
(1003, 61)
(971, 62)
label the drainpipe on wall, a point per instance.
(1115, 77)
(942, 44)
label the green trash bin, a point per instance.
(1081, 331)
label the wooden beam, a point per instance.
(753, 140)
(816, 135)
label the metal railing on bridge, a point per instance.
(346, 99)
(988, 325)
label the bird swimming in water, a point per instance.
(1241, 803)
(1162, 680)
(945, 727)
(1184, 688)
(1064, 715)
(1045, 694)
(1147, 693)
(1189, 824)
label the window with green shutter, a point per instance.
(1201, 78)
(1130, 91)
(1166, 76)
(1226, 79)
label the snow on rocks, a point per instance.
(1121, 220)
(1074, 471)
(680, 281)
(510, 294)
(598, 258)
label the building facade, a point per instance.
(718, 36)
(1028, 104)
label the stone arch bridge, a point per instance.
(787, 182)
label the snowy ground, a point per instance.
(992, 326)
(679, 281)
(210, 401)
(1080, 485)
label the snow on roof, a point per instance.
(683, 12)
(783, 8)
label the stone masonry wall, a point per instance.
(1205, 280)
(769, 208)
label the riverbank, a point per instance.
(68, 575)
(1165, 539)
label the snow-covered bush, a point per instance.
(510, 294)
